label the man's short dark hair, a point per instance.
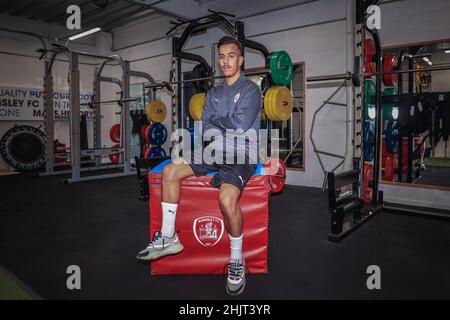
(229, 40)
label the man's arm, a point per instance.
(207, 112)
(245, 114)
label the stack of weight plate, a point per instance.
(154, 134)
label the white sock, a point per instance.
(169, 213)
(236, 247)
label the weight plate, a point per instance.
(199, 71)
(278, 103)
(276, 169)
(147, 133)
(369, 47)
(391, 137)
(114, 133)
(196, 105)
(146, 150)
(390, 111)
(157, 134)
(280, 65)
(156, 152)
(156, 111)
(115, 157)
(368, 176)
(369, 139)
(268, 103)
(369, 95)
(390, 62)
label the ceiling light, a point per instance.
(85, 33)
(427, 60)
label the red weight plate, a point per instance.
(146, 150)
(114, 133)
(115, 158)
(276, 169)
(368, 176)
(390, 63)
(389, 168)
(143, 131)
(395, 167)
(369, 47)
(147, 133)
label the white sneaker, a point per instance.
(236, 277)
(160, 247)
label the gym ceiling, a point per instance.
(110, 14)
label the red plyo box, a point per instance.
(201, 228)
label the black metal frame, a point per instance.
(142, 167)
(347, 209)
(351, 206)
(213, 19)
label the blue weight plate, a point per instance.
(392, 137)
(368, 140)
(157, 152)
(157, 134)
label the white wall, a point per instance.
(412, 21)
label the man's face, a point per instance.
(230, 59)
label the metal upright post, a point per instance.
(358, 116)
(48, 118)
(378, 124)
(97, 115)
(75, 152)
(125, 118)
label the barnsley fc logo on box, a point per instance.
(208, 230)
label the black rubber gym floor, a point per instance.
(435, 176)
(46, 226)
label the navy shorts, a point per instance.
(235, 174)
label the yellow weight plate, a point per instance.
(196, 105)
(280, 104)
(286, 104)
(267, 103)
(273, 111)
(271, 108)
(156, 111)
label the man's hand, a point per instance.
(178, 161)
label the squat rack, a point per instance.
(345, 189)
(215, 18)
(74, 92)
(236, 30)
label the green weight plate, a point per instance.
(199, 71)
(387, 108)
(280, 65)
(369, 94)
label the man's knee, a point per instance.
(169, 173)
(176, 172)
(229, 202)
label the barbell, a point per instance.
(279, 64)
(278, 103)
(118, 101)
(351, 76)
